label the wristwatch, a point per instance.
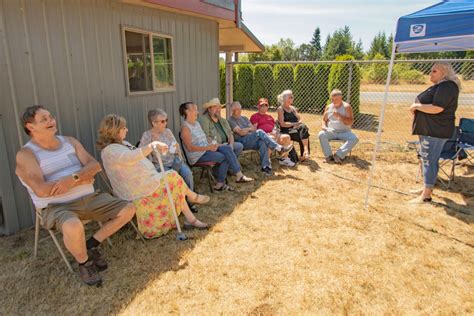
(75, 177)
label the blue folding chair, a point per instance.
(466, 138)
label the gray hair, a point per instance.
(234, 104)
(154, 113)
(336, 92)
(282, 96)
(448, 71)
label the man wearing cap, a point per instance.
(336, 124)
(253, 138)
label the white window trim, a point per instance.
(125, 65)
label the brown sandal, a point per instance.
(194, 225)
(199, 199)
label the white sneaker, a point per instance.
(286, 162)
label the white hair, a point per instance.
(336, 92)
(448, 72)
(282, 96)
(234, 104)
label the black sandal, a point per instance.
(224, 187)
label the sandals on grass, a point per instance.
(225, 187)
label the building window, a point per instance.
(149, 62)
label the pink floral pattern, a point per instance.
(154, 212)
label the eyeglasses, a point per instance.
(45, 119)
(161, 121)
(264, 105)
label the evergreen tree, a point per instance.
(316, 43)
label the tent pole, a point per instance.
(379, 130)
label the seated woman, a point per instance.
(264, 121)
(158, 119)
(291, 124)
(198, 148)
(134, 178)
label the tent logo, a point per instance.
(417, 30)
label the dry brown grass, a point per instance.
(298, 242)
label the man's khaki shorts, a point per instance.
(97, 206)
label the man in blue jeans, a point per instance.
(252, 138)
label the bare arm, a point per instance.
(187, 142)
(324, 123)
(426, 108)
(28, 170)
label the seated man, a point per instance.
(253, 138)
(217, 128)
(59, 175)
(264, 121)
(336, 124)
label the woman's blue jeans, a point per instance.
(430, 151)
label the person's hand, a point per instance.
(337, 115)
(324, 128)
(85, 181)
(162, 147)
(414, 107)
(213, 147)
(62, 186)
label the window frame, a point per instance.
(125, 64)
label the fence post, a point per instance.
(228, 82)
(349, 83)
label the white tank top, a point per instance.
(198, 138)
(54, 165)
(334, 123)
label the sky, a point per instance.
(270, 20)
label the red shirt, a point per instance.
(263, 121)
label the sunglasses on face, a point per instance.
(161, 121)
(266, 105)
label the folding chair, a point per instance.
(206, 167)
(466, 138)
(52, 233)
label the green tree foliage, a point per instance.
(316, 44)
(243, 91)
(222, 80)
(305, 52)
(287, 48)
(305, 79)
(377, 73)
(284, 79)
(341, 43)
(262, 82)
(467, 69)
(339, 79)
(379, 46)
(321, 87)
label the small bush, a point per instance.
(243, 91)
(222, 81)
(284, 79)
(262, 82)
(339, 79)
(467, 69)
(413, 76)
(305, 82)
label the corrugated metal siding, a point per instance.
(68, 56)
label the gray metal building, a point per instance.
(85, 59)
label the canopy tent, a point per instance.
(446, 26)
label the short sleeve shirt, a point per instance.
(241, 122)
(264, 122)
(444, 94)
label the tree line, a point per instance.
(340, 42)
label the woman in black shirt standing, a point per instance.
(434, 115)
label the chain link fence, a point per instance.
(362, 84)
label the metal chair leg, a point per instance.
(37, 229)
(108, 239)
(60, 250)
(136, 229)
(210, 178)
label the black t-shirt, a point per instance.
(444, 94)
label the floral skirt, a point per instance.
(154, 212)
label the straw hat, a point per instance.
(213, 102)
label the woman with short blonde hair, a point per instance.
(134, 178)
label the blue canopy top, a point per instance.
(446, 26)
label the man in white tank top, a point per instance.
(59, 175)
(336, 125)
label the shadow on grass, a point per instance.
(359, 163)
(464, 212)
(366, 122)
(44, 284)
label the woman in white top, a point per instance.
(134, 178)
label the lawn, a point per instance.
(298, 242)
